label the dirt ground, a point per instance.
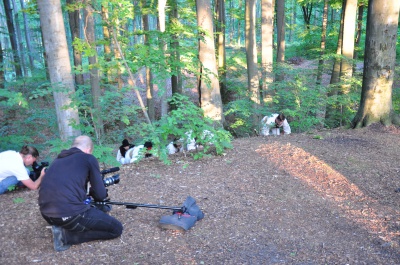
(326, 197)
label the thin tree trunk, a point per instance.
(358, 36)
(2, 77)
(74, 18)
(220, 43)
(149, 84)
(253, 82)
(323, 42)
(31, 53)
(280, 55)
(94, 72)
(336, 66)
(332, 111)
(13, 37)
(19, 40)
(176, 77)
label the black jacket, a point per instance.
(64, 187)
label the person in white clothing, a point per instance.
(272, 125)
(123, 150)
(174, 147)
(13, 169)
(137, 153)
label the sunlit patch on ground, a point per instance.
(333, 186)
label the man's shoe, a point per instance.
(58, 239)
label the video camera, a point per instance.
(111, 180)
(37, 170)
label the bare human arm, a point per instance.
(34, 185)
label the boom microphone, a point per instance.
(110, 170)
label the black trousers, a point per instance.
(91, 225)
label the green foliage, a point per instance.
(238, 115)
(299, 99)
(12, 188)
(185, 122)
(18, 200)
(345, 102)
(12, 99)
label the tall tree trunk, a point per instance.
(323, 42)
(176, 78)
(2, 77)
(220, 43)
(267, 56)
(379, 65)
(27, 32)
(349, 27)
(74, 18)
(149, 84)
(163, 44)
(253, 82)
(337, 63)
(89, 31)
(332, 113)
(280, 24)
(239, 27)
(19, 39)
(13, 37)
(210, 97)
(55, 43)
(307, 11)
(358, 36)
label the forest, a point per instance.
(153, 70)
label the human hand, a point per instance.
(43, 172)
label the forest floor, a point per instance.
(327, 197)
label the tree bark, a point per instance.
(280, 25)
(253, 82)
(210, 97)
(13, 37)
(379, 65)
(332, 114)
(31, 53)
(220, 43)
(74, 18)
(20, 49)
(149, 81)
(55, 43)
(267, 56)
(163, 45)
(176, 78)
(251, 51)
(2, 77)
(358, 36)
(323, 42)
(349, 28)
(89, 31)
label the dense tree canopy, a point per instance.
(122, 52)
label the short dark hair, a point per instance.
(29, 150)
(281, 117)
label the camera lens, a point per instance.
(111, 180)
